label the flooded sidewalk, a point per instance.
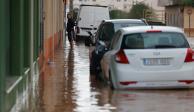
(55, 83)
(65, 85)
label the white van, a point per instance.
(89, 18)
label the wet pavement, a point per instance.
(67, 86)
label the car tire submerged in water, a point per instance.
(94, 67)
(87, 41)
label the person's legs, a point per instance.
(69, 37)
(73, 35)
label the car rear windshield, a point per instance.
(154, 40)
(127, 24)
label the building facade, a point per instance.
(179, 14)
(124, 5)
(30, 32)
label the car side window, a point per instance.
(99, 31)
(106, 32)
(115, 39)
(102, 33)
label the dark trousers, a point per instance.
(69, 35)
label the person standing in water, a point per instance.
(70, 27)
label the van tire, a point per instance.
(87, 42)
(92, 68)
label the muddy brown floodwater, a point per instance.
(67, 86)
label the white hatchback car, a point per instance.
(149, 57)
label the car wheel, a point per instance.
(92, 70)
(87, 41)
(92, 66)
(110, 82)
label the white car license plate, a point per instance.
(156, 61)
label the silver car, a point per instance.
(149, 57)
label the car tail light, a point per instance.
(121, 57)
(186, 81)
(128, 83)
(153, 31)
(189, 56)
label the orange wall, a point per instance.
(53, 26)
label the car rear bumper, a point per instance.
(84, 33)
(156, 85)
(163, 78)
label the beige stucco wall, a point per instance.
(54, 14)
(174, 16)
(186, 18)
(53, 27)
(186, 21)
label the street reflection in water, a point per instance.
(67, 86)
(154, 101)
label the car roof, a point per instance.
(123, 20)
(141, 29)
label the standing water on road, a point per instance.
(67, 86)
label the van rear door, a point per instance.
(100, 13)
(86, 17)
(90, 17)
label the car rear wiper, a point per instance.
(165, 46)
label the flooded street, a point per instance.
(67, 86)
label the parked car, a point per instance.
(89, 18)
(149, 57)
(103, 37)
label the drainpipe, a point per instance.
(65, 21)
(54, 28)
(4, 33)
(53, 32)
